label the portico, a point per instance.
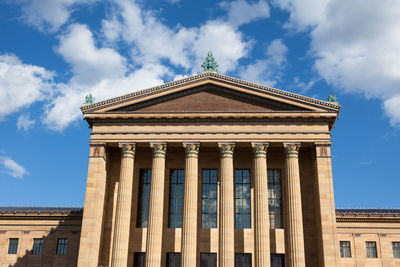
(179, 136)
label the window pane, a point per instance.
(277, 260)
(209, 199)
(274, 198)
(371, 249)
(208, 259)
(144, 198)
(396, 249)
(242, 199)
(242, 260)
(62, 244)
(139, 259)
(13, 246)
(37, 246)
(173, 259)
(176, 198)
(345, 251)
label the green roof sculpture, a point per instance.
(209, 64)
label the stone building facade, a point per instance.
(240, 175)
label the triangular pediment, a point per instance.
(210, 92)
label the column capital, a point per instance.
(159, 149)
(127, 149)
(191, 149)
(226, 149)
(292, 149)
(97, 150)
(323, 149)
(260, 149)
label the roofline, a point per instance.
(211, 75)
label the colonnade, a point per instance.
(293, 210)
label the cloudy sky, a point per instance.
(55, 52)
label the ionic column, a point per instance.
(156, 206)
(294, 217)
(227, 211)
(189, 223)
(119, 256)
(261, 208)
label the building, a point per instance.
(240, 175)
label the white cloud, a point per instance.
(241, 12)
(49, 15)
(268, 70)
(24, 122)
(355, 45)
(89, 63)
(21, 84)
(12, 168)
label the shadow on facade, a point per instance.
(59, 224)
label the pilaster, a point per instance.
(326, 219)
(92, 223)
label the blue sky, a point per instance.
(53, 53)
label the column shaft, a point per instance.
(156, 206)
(227, 211)
(261, 209)
(189, 223)
(120, 248)
(89, 248)
(294, 218)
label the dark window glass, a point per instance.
(173, 259)
(242, 199)
(242, 260)
(277, 260)
(371, 249)
(208, 260)
(209, 199)
(139, 259)
(13, 246)
(62, 244)
(345, 251)
(396, 249)
(37, 246)
(275, 198)
(176, 199)
(144, 198)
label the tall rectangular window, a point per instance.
(37, 246)
(242, 199)
(13, 246)
(277, 260)
(139, 259)
(396, 249)
(275, 198)
(242, 260)
(371, 249)
(176, 198)
(345, 251)
(208, 260)
(173, 259)
(209, 199)
(62, 244)
(144, 198)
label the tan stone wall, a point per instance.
(50, 229)
(383, 233)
